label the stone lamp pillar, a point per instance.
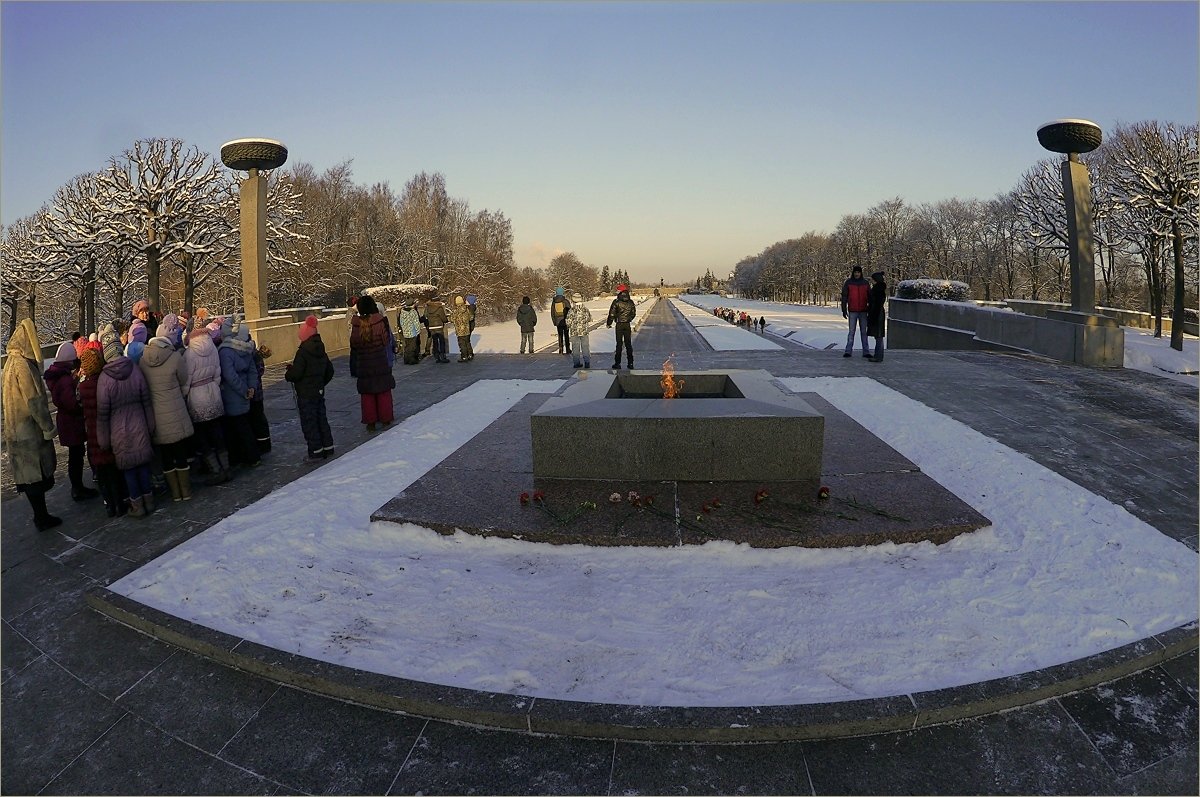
(1071, 137)
(1100, 341)
(253, 155)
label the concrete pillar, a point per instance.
(1077, 192)
(254, 244)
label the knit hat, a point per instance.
(877, 276)
(79, 343)
(134, 350)
(94, 338)
(215, 330)
(66, 353)
(622, 288)
(110, 343)
(169, 324)
(558, 291)
(140, 305)
(460, 301)
(577, 297)
(90, 362)
(93, 345)
(308, 328)
(367, 306)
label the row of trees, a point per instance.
(1145, 187)
(162, 221)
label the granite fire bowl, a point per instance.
(724, 426)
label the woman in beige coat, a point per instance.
(28, 428)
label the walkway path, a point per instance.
(90, 706)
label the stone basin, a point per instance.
(726, 426)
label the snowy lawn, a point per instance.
(824, 328)
(1061, 574)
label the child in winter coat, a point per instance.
(125, 422)
(104, 465)
(166, 376)
(62, 378)
(309, 373)
(239, 384)
(579, 320)
(559, 307)
(204, 402)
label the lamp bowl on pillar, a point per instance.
(245, 154)
(1067, 135)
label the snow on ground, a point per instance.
(824, 328)
(720, 334)
(1061, 574)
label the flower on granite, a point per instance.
(760, 496)
(823, 493)
(524, 499)
(539, 497)
(615, 498)
(588, 505)
(633, 496)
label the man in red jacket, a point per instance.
(855, 292)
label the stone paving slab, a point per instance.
(51, 713)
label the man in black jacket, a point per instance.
(621, 313)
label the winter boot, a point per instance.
(371, 426)
(137, 509)
(172, 477)
(82, 493)
(223, 471)
(41, 516)
(184, 477)
(148, 502)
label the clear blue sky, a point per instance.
(664, 138)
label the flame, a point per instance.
(670, 385)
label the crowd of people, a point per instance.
(144, 401)
(742, 319)
(573, 322)
(148, 400)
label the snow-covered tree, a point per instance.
(165, 199)
(1156, 167)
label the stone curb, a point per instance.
(545, 716)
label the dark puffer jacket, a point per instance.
(238, 374)
(311, 369)
(622, 310)
(61, 381)
(125, 414)
(369, 342)
(876, 316)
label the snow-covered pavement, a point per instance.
(1061, 574)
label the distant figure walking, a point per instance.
(559, 307)
(854, 307)
(621, 312)
(309, 373)
(526, 320)
(369, 339)
(579, 321)
(876, 316)
(762, 325)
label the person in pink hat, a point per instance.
(309, 373)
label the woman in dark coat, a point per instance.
(369, 336)
(876, 315)
(62, 377)
(240, 383)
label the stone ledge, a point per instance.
(700, 724)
